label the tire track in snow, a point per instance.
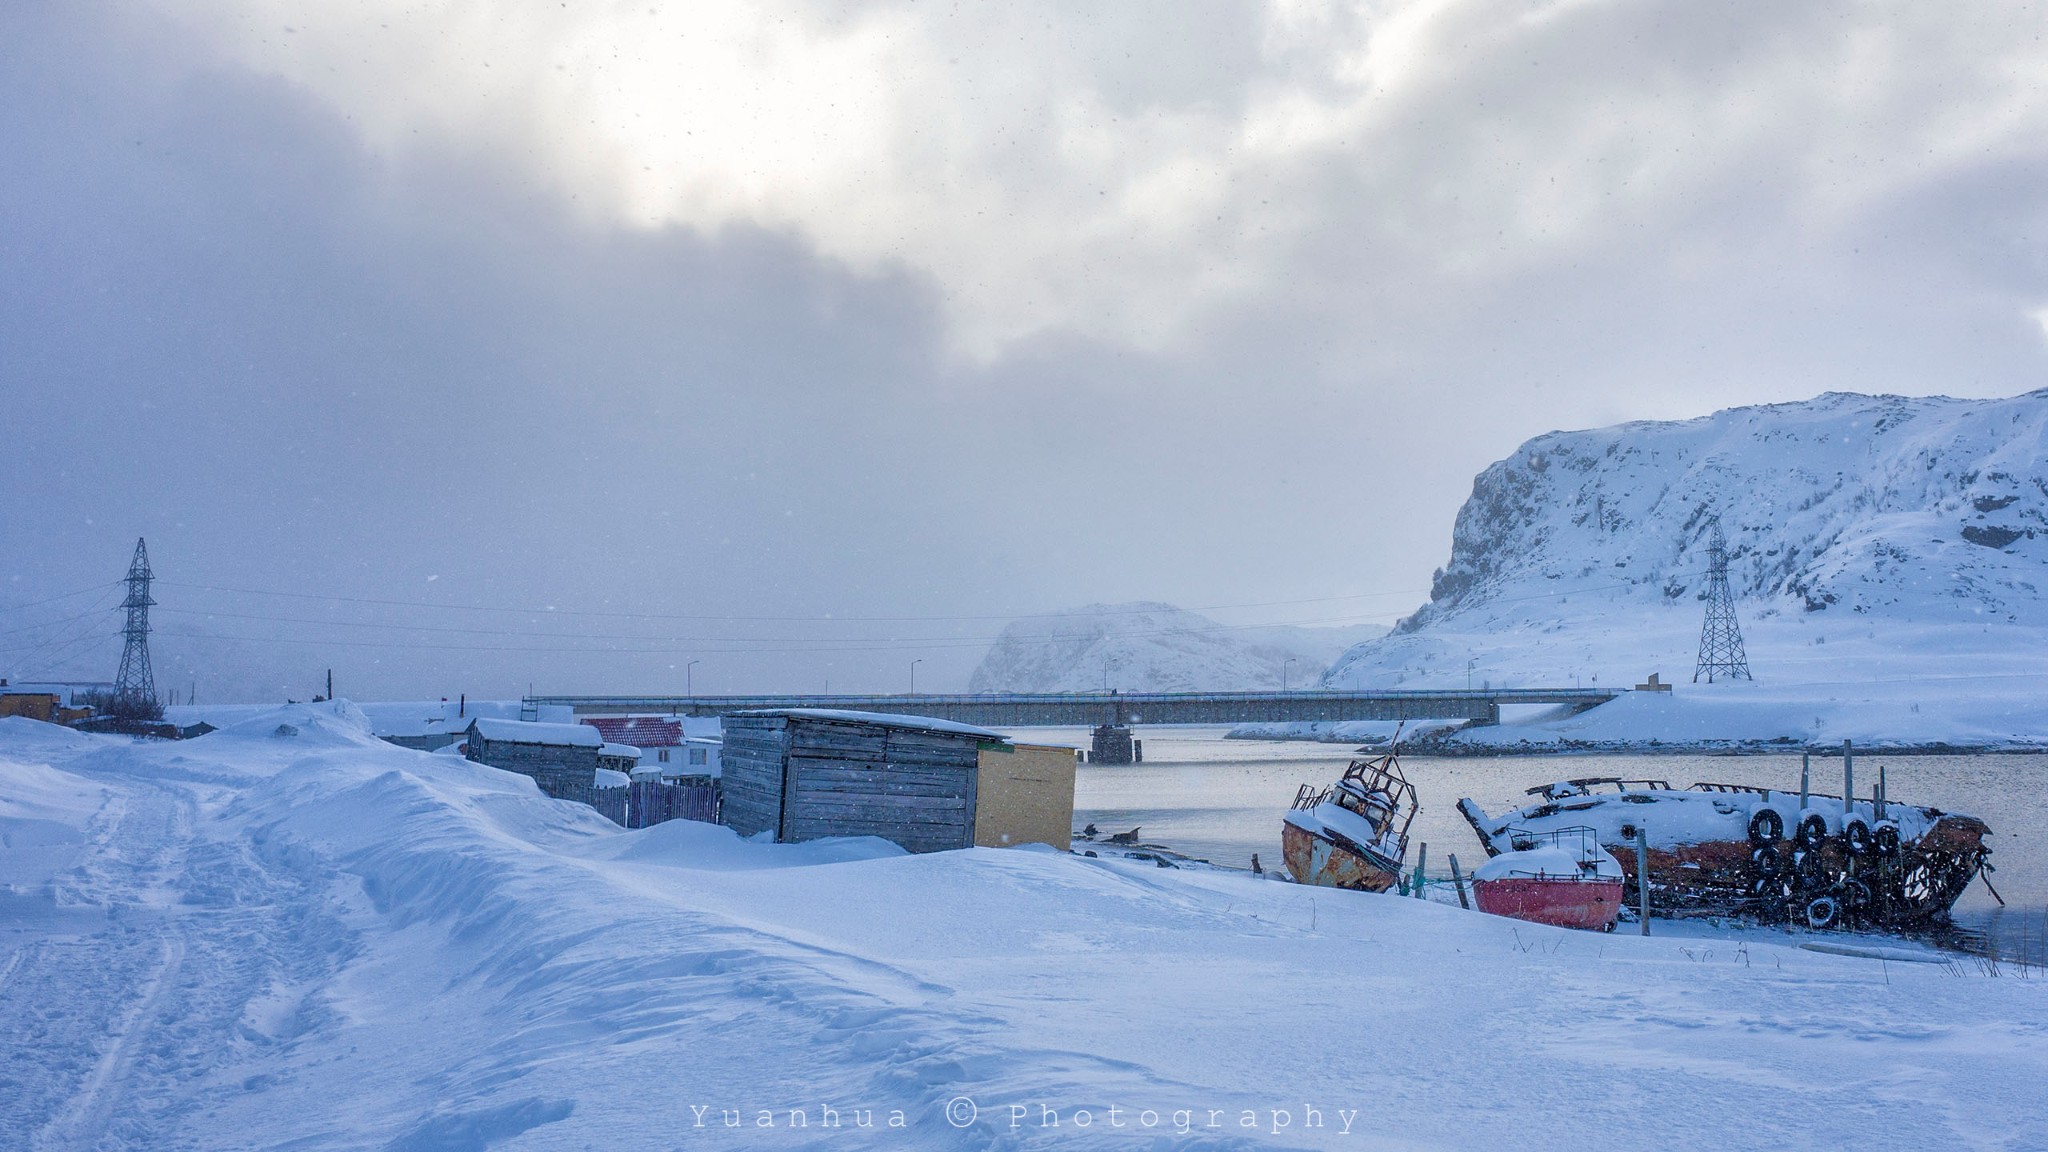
(87, 1121)
(197, 988)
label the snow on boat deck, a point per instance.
(321, 940)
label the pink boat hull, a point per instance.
(1591, 904)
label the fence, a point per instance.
(648, 802)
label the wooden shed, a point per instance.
(561, 758)
(804, 773)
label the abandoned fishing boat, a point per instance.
(1563, 878)
(1354, 833)
(1732, 849)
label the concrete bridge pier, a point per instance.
(1113, 745)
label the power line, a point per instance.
(52, 623)
(699, 644)
(1332, 621)
(553, 611)
(680, 645)
(66, 645)
(54, 599)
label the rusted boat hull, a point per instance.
(1313, 859)
(1778, 879)
(1590, 904)
(1721, 849)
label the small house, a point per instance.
(926, 784)
(664, 742)
(57, 703)
(561, 758)
(667, 751)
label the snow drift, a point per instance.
(291, 934)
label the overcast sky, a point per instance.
(939, 313)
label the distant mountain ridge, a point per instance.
(1153, 647)
(1867, 536)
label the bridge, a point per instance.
(1112, 713)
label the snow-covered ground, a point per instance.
(290, 934)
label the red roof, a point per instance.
(639, 731)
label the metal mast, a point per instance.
(135, 686)
(1721, 654)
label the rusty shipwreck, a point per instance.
(1354, 833)
(1732, 849)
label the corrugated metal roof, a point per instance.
(639, 731)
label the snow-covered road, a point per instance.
(288, 934)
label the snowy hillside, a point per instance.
(1145, 647)
(1871, 539)
(287, 934)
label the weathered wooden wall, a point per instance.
(755, 750)
(645, 803)
(566, 773)
(806, 778)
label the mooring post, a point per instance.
(1643, 874)
(1458, 882)
(1421, 862)
(1805, 768)
(1848, 781)
(1882, 791)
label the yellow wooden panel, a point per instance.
(1024, 795)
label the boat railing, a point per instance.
(1309, 796)
(1766, 793)
(1383, 775)
(1588, 783)
(1580, 839)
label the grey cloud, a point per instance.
(297, 357)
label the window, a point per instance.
(697, 756)
(664, 755)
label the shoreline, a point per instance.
(1441, 749)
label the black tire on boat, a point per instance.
(1855, 896)
(1812, 831)
(1767, 896)
(1822, 912)
(1764, 860)
(1856, 837)
(1766, 826)
(1885, 841)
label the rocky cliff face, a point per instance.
(1150, 647)
(1900, 523)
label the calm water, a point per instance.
(1221, 800)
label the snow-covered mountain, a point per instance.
(1870, 538)
(1148, 647)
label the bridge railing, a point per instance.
(1090, 708)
